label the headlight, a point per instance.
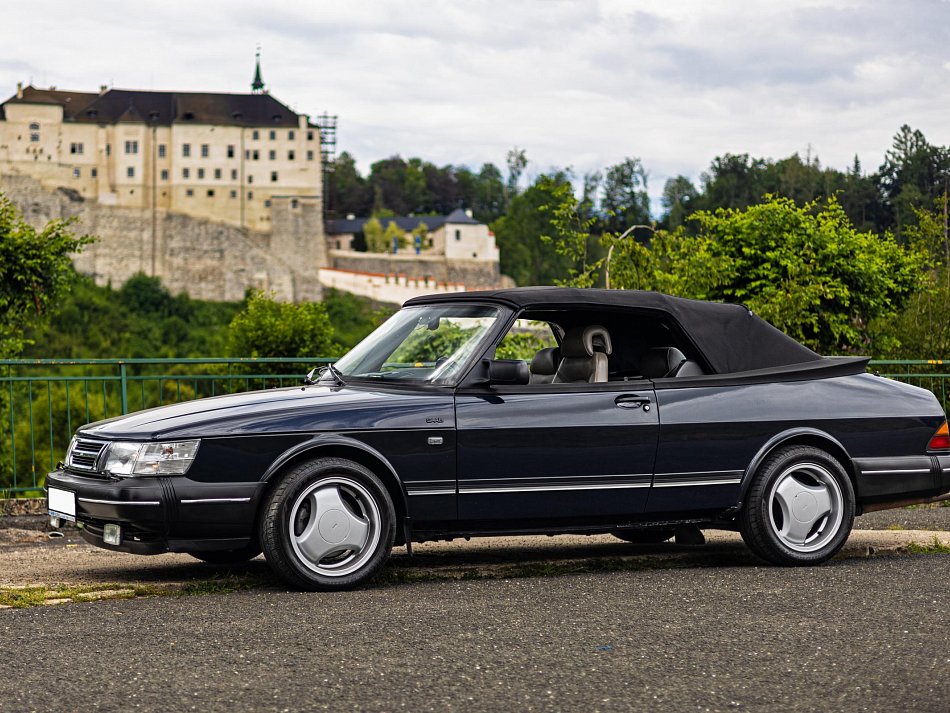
(171, 458)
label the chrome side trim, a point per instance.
(216, 500)
(543, 488)
(119, 502)
(906, 470)
(691, 483)
(737, 473)
(432, 492)
(562, 477)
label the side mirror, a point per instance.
(512, 372)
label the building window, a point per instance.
(255, 155)
(290, 135)
(250, 179)
(217, 174)
(310, 155)
(230, 150)
(272, 155)
(34, 137)
(131, 147)
(76, 173)
(458, 234)
(75, 148)
(93, 172)
(234, 194)
(250, 195)
(204, 150)
(108, 149)
(273, 176)
(201, 173)
(164, 174)
(233, 174)
(161, 150)
(290, 155)
(210, 193)
(273, 135)
(255, 135)
(189, 193)
(34, 126)
(267, 203)
(294, 203)
(186, 150)
(130, 172)
(309, 136)
(186, 173)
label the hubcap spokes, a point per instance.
(334, 526)
(805, 507)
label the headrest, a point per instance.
(660, 361)
(545, 362)
(584, 341)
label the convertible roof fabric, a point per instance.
(730, 336)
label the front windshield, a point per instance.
(428, 344)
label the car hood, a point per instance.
(287, 410)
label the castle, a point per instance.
(214, 193)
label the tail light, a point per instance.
(940, 440)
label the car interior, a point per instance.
(604, 346)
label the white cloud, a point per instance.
(574, 82)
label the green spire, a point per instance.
(257, 86)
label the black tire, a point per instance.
(643, 537)
(229, 557)
(782, 520)
(328, 524)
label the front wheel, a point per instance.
(799, 509)
(328, 524)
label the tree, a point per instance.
(268, 328)
(516, 162)
(804, 269)
(570, 222)
(679, 197)
(35, 271)
(395, 237)
(375, 236)
(625, 200)
(348, 193)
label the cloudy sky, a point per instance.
(580, 84)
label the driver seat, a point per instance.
(584, 353)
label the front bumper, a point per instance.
(166, 514)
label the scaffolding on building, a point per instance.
(327, 124)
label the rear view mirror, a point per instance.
(512, 372)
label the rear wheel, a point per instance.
(328, 524)
(643, 537)
(799, 509)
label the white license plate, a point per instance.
(62, 503)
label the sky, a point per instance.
(576, 84)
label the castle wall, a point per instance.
(474, 274)
(206, 259)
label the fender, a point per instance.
(773, 443)
(324, 440)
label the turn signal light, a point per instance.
(941, 439)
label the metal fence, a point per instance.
(42, 401)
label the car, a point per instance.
(517, 411)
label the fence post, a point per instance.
(125, 388)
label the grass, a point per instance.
(936, 547)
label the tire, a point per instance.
(328, 524)
(229, 557)
(643, 537)
(799, 509)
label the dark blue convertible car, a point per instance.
(534, 410)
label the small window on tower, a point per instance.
(230, 150)
(233, 174)
(93, 172)
(186, 150)
(75, 173)
(309, 136)
(189, 193)
(164, 174)
(458, 234)
(255, 135)
(234, 194)
(34, 126)
(310, 155)
(205, 150)
(267, 203)
(273, 176)
(201, 173)
(186, 173)
(290, 155)
(130, 172)
(161, 150)
(217, 174)
(290, 135)
(210, 193)
(272, 155)
(273, 135)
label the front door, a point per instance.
(556, 451)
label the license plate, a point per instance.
(62, 503)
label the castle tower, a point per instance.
(257, 85)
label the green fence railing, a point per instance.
(42, 401)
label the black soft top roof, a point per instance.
(730, 336)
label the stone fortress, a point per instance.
(214, 194)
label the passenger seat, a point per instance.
(544, 365)
(667, 362)
(585, 351)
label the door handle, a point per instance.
(633, 401)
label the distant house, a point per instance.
(456, 236)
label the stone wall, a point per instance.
(205, 259)
(473, 274)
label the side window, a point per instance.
(525, 338)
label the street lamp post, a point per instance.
(610, 250)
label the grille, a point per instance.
(84, 454)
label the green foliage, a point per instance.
(353, 317)
(395, 237)
(35, 271)
(625, 201)
(427, 345)
(375, 236)
(268, 328)
(804, 269)
(525, 344)
(571, 233)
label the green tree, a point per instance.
(570, 221)
(35, 271)
(804, 269)
(375, 236)
(394, 236)
(268, 328)
(625, 201)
